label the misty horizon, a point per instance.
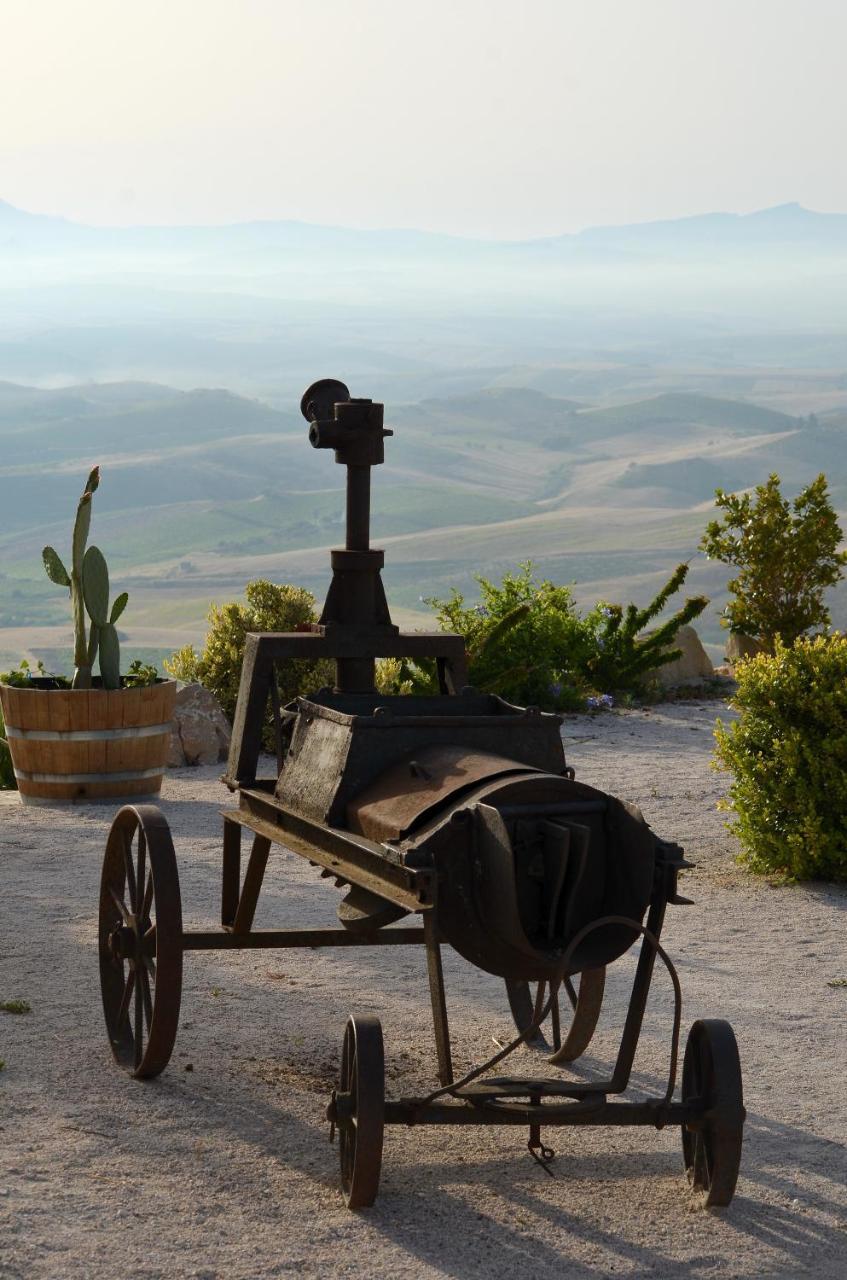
(787, 208)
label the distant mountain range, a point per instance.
(766, 229)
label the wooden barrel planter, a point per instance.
(74, 746)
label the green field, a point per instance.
(202, 491)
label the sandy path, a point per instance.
(226, 1171)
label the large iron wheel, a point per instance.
(582, 1005)
(711, 1077)
(140, 940)
(360, 1110)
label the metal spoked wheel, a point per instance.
(711, 1074)
(582, 1005)
(360, 1110)
(140, 940)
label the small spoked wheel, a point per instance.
(711, 1080)
(140, 940)
(570, 1027)
(359, 1110)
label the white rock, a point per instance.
(693, 664)
(741, 646)
(201, 731)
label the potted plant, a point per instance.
(91, 738)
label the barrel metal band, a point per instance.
(127, 775)
(87, 735)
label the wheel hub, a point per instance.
(124, 943)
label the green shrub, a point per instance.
(15, 1006)
(786, 554)
(788, 755)
(527, 642)
(269, 607)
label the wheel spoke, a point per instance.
(142, 866)
(148, 1002)
(139, 1023)
(123, 1011)
(556, 1025)
(121, 906)
(147, 901)
(130, 871)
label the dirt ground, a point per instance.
(222, 1167)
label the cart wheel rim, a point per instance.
(361, 1127)
(140, 940)
(711, 1075)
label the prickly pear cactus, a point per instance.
(88, 584)
(57, 573)
(104, 635)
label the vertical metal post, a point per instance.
(231, 877)
(638, 998)
(437, 997)
(358, 507)
(253, 878)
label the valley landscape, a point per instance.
(573, 402)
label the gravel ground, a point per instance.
(221, 1166)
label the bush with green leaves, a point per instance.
(269, 607)
(786, 554)
(787, 752)
(527, 641)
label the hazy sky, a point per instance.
(491, 117)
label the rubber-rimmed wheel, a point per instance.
(711, 1077)
(360, 1105)
(140, 940)
(583, 1008)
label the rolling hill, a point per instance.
(202, 490)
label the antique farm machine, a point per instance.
(457, 808)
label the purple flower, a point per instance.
(555, 688)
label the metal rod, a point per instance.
(638, 999)
(620, 1114)
(438, 998)
(358, 508)
(231, 875)
(253, 877)
(198, 940)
